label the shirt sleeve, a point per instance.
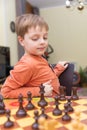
(14, 83)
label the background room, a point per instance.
(67, 34)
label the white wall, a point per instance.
(67, 34)
(7, 38)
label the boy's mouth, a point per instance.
(42, 48)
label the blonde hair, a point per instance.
(26, 21)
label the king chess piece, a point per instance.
(21, 111)
(2, 105)
(42, 102)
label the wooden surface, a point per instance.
(26, 122)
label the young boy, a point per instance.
(32, 70)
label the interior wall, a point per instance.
(67, 34)
(7, 37)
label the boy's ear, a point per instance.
(20, 39)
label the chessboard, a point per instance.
(25, 123)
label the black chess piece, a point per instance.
(29, 106)
(66, 116)
(2, 105)
(62, 93)
(35, 125)
(56, 110)
(21, 111)
(43, 114)
(42, 102)
(70, 108)
(8, 123)
(74, 93)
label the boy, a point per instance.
(32, 70)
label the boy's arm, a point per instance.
(7, 92)
(14, 83)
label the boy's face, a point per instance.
(35, 41)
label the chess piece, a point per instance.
(21, 111)
(43, 114)
(57, 111)
(76, 124)
(29, 106)
(70, 109)
(51, 124)
(35, 125)
(2, 105)
(42, 123)
(47, 124)
(66, 117)
(8, 123)
(42, 102)
(74, 93)
(62, 93)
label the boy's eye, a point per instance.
(35, 39)
(45, 38)
(38, 38)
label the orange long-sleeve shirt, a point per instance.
(28, 74)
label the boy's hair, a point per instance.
(26, 21)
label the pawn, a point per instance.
(57, 111)
(42, 123)
(8, 123)
(21, 111)
(66, 117)
(43, 114)
(51, 124)
(70, 109)
(35, 125)
(29, 106)
(77, 126)
(2, 105)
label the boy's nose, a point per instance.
(42, 41)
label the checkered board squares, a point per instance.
(25, 123)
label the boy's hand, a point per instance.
(48, 88)
(63, 63)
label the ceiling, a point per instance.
(46, 3)
(49, 3)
